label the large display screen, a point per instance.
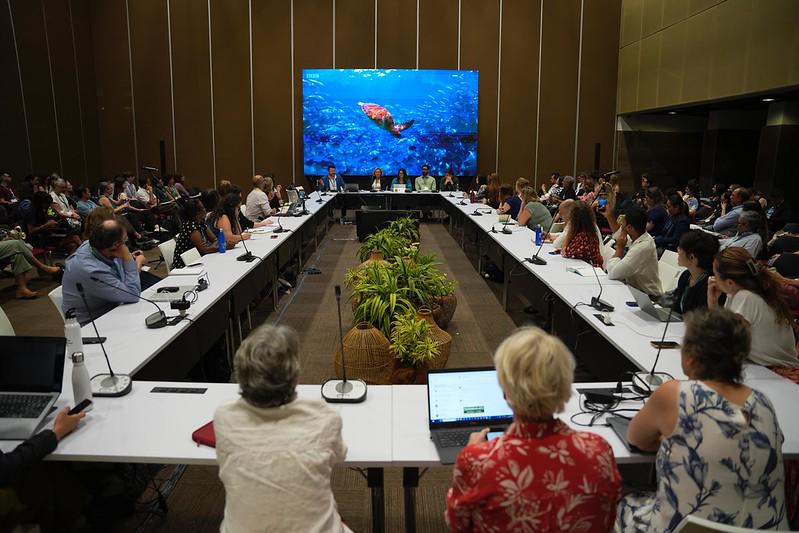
(361, 119)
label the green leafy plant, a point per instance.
(410, 341)
(387, 242)
(379, 297)
(424, 281)
(405, 227)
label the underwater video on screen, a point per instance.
(361, 119)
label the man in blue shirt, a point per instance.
(332, 181)
(726, 224)
(106, 257)
(85, 204)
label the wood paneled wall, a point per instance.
(219, 80)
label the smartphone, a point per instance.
(494, 434)
(631, 304)
(554, 252)
(162, 290)
(273, 237)
(93, 340)
(80, 407)
(664, 345)
(602, 202)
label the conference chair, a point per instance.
(5, 324)
(191, 257)
(670, 258)
(669, 276)
(692, 524)
(167, 249)
(57, 297)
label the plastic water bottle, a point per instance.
(221, 242)
(81, 387)
(538, 231)
(471, 197)
(72, 333)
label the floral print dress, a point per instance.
(722, 463)
(536, 477)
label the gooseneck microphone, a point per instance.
(343, 390)
(652, 379)
(151, 169)
(153, 321)
(596, 301)
(540, 260)
(110, 385)
(280, 228)
(247, 255)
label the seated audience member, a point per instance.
(85, 204)
(754, 293)
(425, 182)
(402, 179)
(695, 252)
(656, 213)
(273, 193)
(104, 256)
(718, 441)
(210, 199)
(676, 225)
(491, 197)
(564, 214)
(62, 206)
(170, 188)
(640, 196)
(105, 192)
(567, 192)
(639, 266)
(730, 210)
(7, 196)
(257, 204)
(785, 241)
(225, 218)
(588, 194)
(691, 197)
(146, 193)
(534, 213)
(276, 452)
(129, 185)
(18, 253)
(244, 222)
(377, 179)
(509, 203)
(748, 236)
(780, 212)
(553, 189)
(46, 228)
(582, 241)
(449, 183)
(540, 475)
(194, 233)
(180, 186)
(332, 182)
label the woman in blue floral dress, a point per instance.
(718, 442)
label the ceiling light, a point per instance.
(767, 100)
(672, 112)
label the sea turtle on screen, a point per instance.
(382, 117)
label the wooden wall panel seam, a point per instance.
(417, 34)
(334, 33)
(375, 33)
(579, 79)
(252, 98)
(132, 92)
(291, 80)
(538, 90)
(171, 87)
(52, 90)
(499, 84)
(460, 6)
(77, 86)
(211, 82)
(21, 86)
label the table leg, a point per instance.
(374, 479)
(410, 481)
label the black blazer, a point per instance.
(696, 297)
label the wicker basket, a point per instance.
(375, 256)
(447, 305)
(441, 338)
(368, 356)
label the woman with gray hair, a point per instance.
(541, 475)
(276, 452)
(718, 443)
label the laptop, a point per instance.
(31, 373)
(619, 425)
(351, 187)
(461, 401)
(646, 305)
(293, 196)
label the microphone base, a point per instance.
(108, 386)
(647, 382)
(601, 305)
(156, 320)
(536, 260)
(248, 257)
(476, 214)
(340, 391)
(507, 231)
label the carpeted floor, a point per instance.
(197, 501)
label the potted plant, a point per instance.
(379, 297)
(390, 244)
(405, 227)
(413, 349)
(428, 286)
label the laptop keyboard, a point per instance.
(453, 439)
(23, 405)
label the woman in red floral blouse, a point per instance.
(582, 241)
(541, 475)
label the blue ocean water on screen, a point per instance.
(361, 119)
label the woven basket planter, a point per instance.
(367, 355)
(375, 256)
(441, 338)
(447, 305)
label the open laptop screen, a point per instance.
(31, 364)
(465, 396)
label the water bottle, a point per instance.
(538, 231)
(72, 333)
(221, 242)
(471, 197)
(81, 387)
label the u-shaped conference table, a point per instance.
(390, 428)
